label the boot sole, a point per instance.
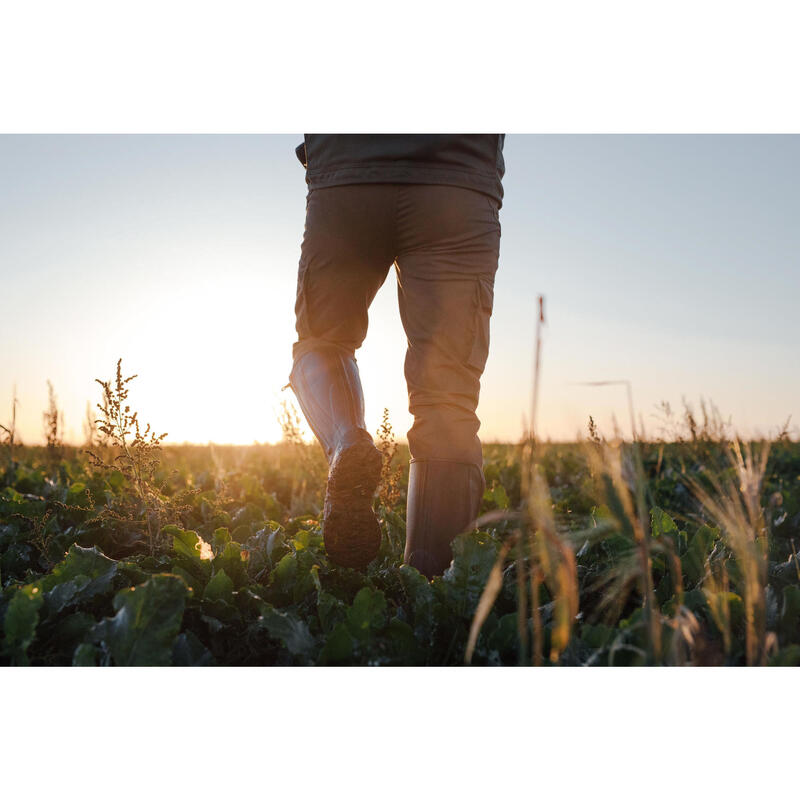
(350, 529)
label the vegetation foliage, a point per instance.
(602, 552)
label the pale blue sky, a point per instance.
(670, 261)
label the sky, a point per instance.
(671, 262)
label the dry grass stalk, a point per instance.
(522, 600)
(53, 424)
(550, 558)
(488, 596)
(9, 436)
(734, 504)
(538, 638)
(553, 558)
(716, 591)
(623, 482)
(685, 628)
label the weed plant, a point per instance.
(677, 550)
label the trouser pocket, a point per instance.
(482, 311)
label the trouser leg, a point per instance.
(447, 259)
(345, 256)
(347, 249)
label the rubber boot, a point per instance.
(444, 498)
(328, 388)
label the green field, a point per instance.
(645, 553)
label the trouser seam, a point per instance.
(395, 223)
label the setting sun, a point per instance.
(180, 254)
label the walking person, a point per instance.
(427, 204)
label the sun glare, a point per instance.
(213, 367)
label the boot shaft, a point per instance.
(444, 498)
(328, 388)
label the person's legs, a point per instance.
(345, 256)
(347, 249)
(447, 254)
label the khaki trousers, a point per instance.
(444, 243)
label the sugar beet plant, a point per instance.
(601, 552)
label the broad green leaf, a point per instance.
(189, 651)
(220, 587)
(220, 540)
(597, 636)
(275, 542)
(724, 606)
(77, 495)
(214, 625)
(695, 600)
(67, 632)
(367, 614)
(148, 618)
(499, 639)
(116, 480)
(500, 496)
(190, 580)
(284, 573)
(83, 574)
(304, 539)
(289, 629)
(241, 533)
(786, 657)
(421, 595)
(272, 507)
(230, 560)
(184, 543)
(789, 624)
(293, 578)
(19, 625)
(661, 523)
(85, 655)
(12, 495)
(693, 561)
(339, 646)
(474, 555)
(330, 610)
(401, 639)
